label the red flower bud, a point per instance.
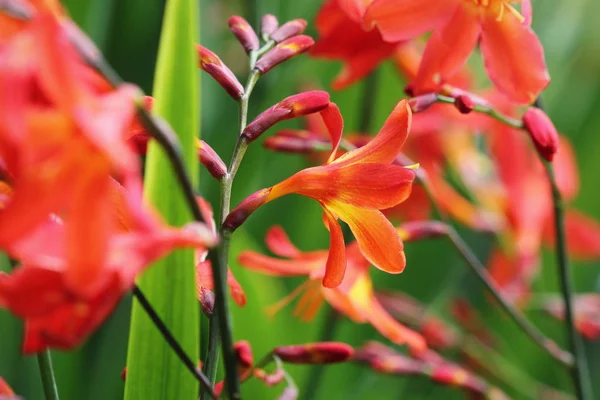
(244, 33)
(464, 104)
(542, 132)
(207, 300)
(449, 374)
(419, 230)
(295, 144)
(422, 103)
(289, 29)
(315, 353)
(211, 160)
(241, 213)
(243, 353)
(268, 25)
(213, 65)
(294, 106)
(284, 51)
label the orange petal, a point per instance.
(583, 235)
(386, 146)
(447, 50)
(377, 238)
(235, 289)
(276, 267)
(399, 20)
(514, 58)
(279, 243)
(565, 169)
(336, 260)
(332, 117)
(354, 9)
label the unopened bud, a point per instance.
(542, 132)
(419, 230)
(294, 106)
(297, 142)
(422, 102)
(315, 353)
(284, 51)
(243, 353)
(464, 104)
(268, 25)
(213, 65)
(244, 33)
(207, 300)
(240, 214)
(289, 29)
(211, 160)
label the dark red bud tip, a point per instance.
(244, 33)
(542, 131)
(419, 230)
(212, 64)
(289, 29)
(268, 25)
(211, 160)
(315, 353)
(294, 106)
(240, 214)
(464, 104)
(207, 301)
(410, 90)
(243, 353)
(284, 51)
(422, 103)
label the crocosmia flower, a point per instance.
(354, 188)
(513, 55)
(354, 297)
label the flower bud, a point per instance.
(542, 132)
(294, 142)
(294, 106)
(268, 25)
(211, 160)
(207, 300)
(289, 29)
(213, 65)
(240, 214)
(419, 230)
(244, 33)
(284, 51)
(386, 360)
(464, 104)
(315, 353)
(422, 102)
(243, 353)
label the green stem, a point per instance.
(485, 109)
(367, 101)
(529, 329)
(47, 373)
(579, 370)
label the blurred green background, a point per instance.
(127, 31)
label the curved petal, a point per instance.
(354, 9)
(583, 235)
(514, 58)
(386, 146)
(279, 243)
(360, 65)
(336, 260)
(276, 267)
(332, 117)
(377, 238)
(565, 167)
(447, 50)
(235, 289)
(399, 20)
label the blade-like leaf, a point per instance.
(153, 370)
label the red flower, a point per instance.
(354, 297)
(513, 55)
(354, 188)
(586, 311)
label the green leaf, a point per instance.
(153, 370)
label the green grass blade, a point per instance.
(153, 370)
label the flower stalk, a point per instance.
(47, 373)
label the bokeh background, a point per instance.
(127, 31)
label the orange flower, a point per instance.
(354, 297)
(353, 188)
(513, 55)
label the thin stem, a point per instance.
(579, 370)
(534, 334)
(172, 342)
(485, 109)
(367, 101)
(47, 373)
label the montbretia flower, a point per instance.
(285, 50)
(354, 297)
(212, 64)
(244, 33)
(354, 188)
(288, 30)
(513, 55)
(23, 10)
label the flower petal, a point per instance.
(399, 20)
(565, 167)
(276, 267)
(514, 58)
(447, 50)
(279, 243)
(377, 238)
(336, 259)
(332, 117)
(583, 235)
